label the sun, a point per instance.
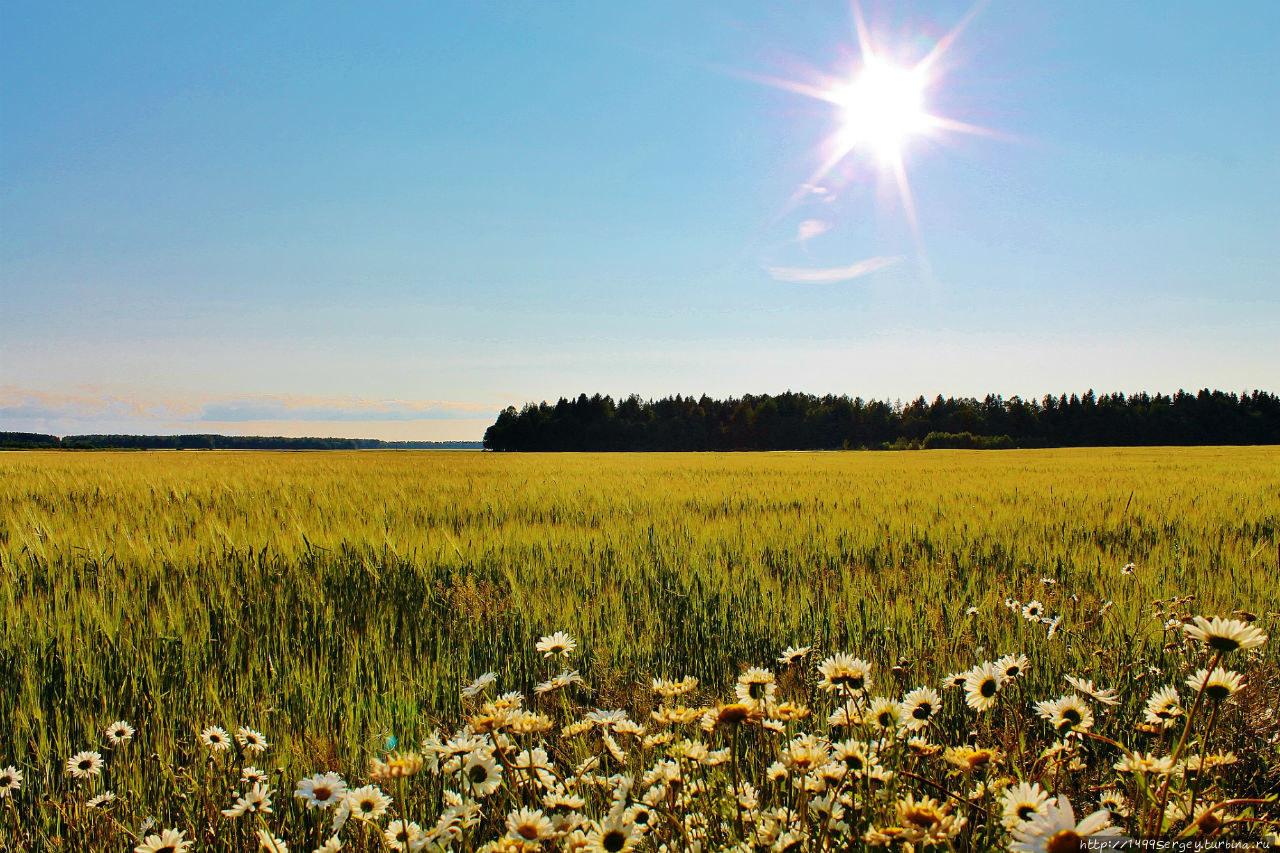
(881, 109)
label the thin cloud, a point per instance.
(831, 275)
(19, 406)
(811, 228)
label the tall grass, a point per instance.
(336, 600)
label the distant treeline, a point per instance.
(793, 421)
(31, 440)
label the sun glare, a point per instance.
(881, 108)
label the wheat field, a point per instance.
(337, 602)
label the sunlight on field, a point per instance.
(334, 600)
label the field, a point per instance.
(337, 603)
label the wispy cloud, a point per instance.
(811, 228)
(831, 275)
(21, 406)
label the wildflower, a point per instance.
(1163, 707)
(1023, 802)
(119, 733)
(1114, 802)
(1053, 627)
(756, 685)
(367, 803)
(564, 679)
(10, 781)
(482, 774)
(848, 714)
(981, 685)
(1137, 762)
(216, 738)
(101, 800)
(670, 689)
(972, 611)
(843, 671)
(404, 835)
(270, 843)
(615, 835)
(333, 845)
(321, 790)
(884, 714)
(1225, 635)
(931, 820)
(726, 715)
(1048, 581)
(401, 765)
(1085, 686)
(1071, 714)
(919, 706)
(791, 654)
(82, 765)
(1128, 569)
(529, 825)
(251, 740)
(168, 841)
(953, 679)
(1033, 611)
(1011, 666)
(256, 799)
(1056, 830)
(970, 758)
(1217, 685)
(558, 643)
(855, 755)
(477, 687)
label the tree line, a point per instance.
(794, 421)
(32, 441)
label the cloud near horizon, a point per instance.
(831, 275)
(21, 409)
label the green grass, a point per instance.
(332, 599)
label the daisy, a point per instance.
(1056, 830)
(119, 733)
(367, 803)
(82, 765)
(953, 679)
(1225, 635)
(529, 825)
(482, 773)
(843, 671)
(251, 775)
(848, 714)
(10, 781)
(101, 800)
(1164, 707)
(972, 611)
(791, 654)
(1136, 762)
(1217, 685)
(321, 790)
(333, 845)
(1033, 611)
(981, 685)
(1053, 626)
(169, 841)
(270, 843)
(216, 738)
(477, 687)
(405, 835)
(1128, 569)
(1085, 686)
(256, 799)
(971, 758)
(756, 685)
(613, 836)
(919, 706)
(1114, 802)
(558, 643)
(251, 740)
(1022, 803)
(1071, 714)
(1011, 666)
(670, 689)
(884, 714)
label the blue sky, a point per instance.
(394, 219)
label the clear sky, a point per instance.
(394, 219)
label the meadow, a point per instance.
(337, 603)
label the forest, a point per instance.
(795, 421)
